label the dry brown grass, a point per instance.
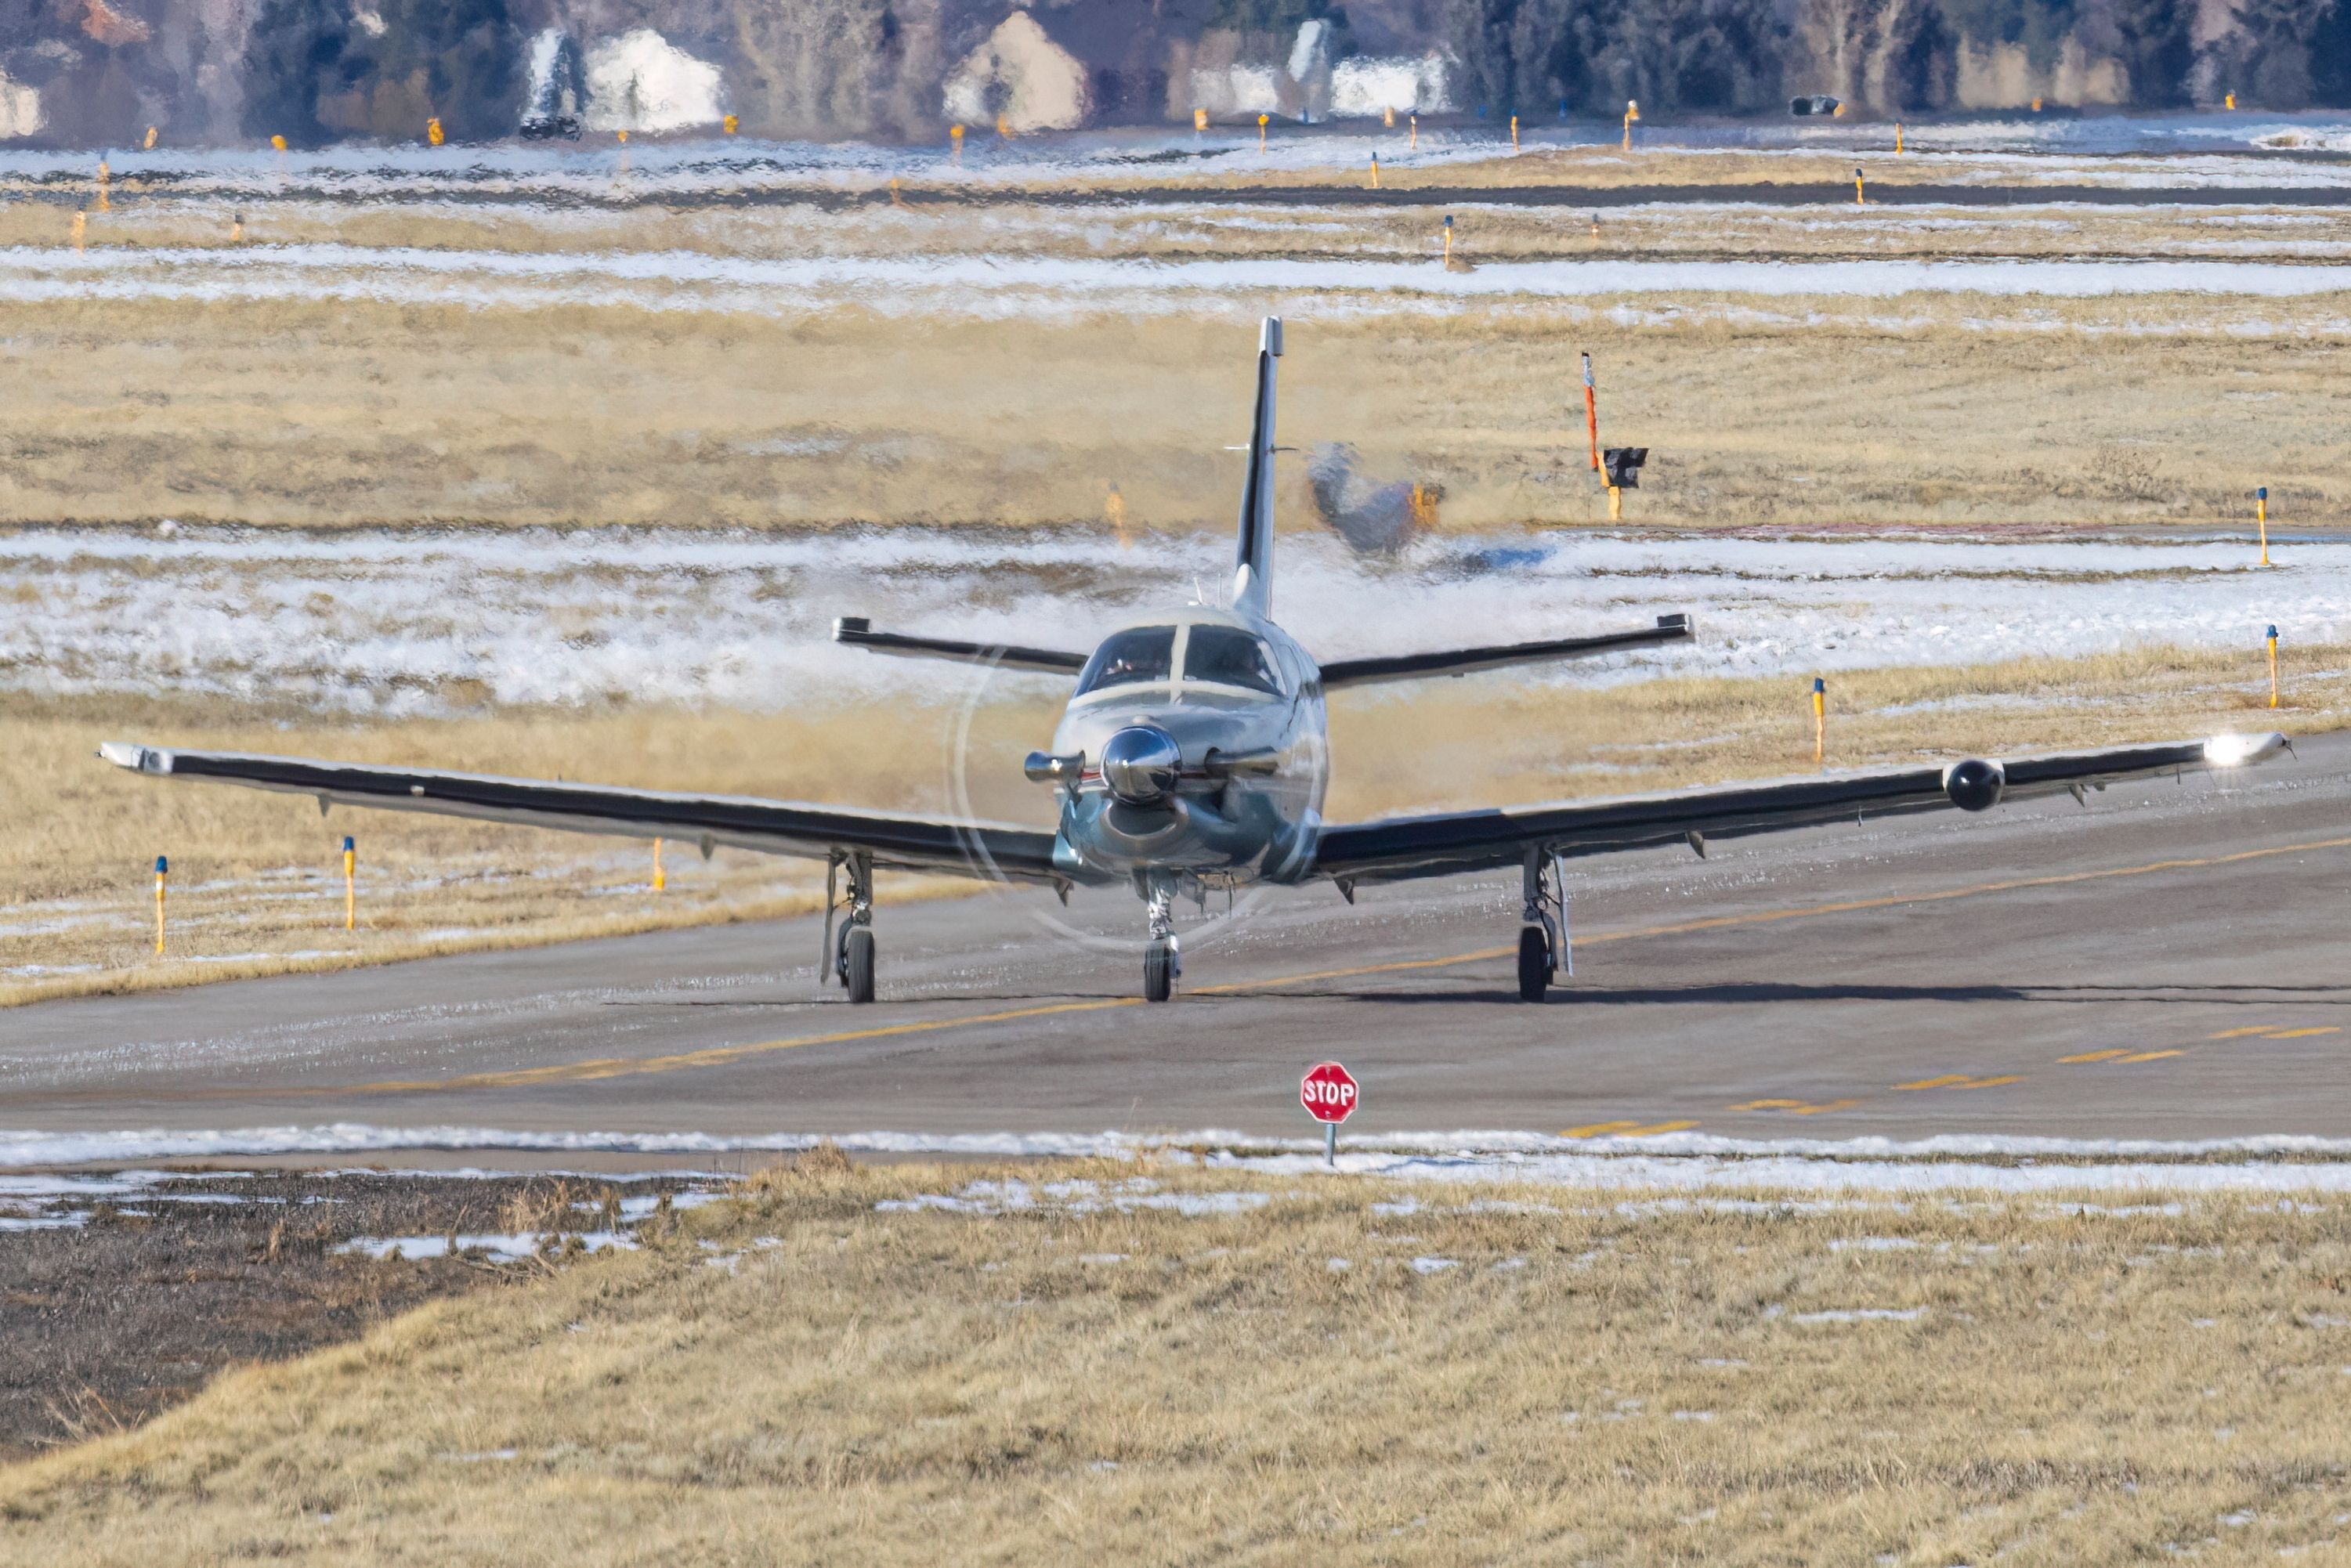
(1598, 1378)
(257, 886)
(1817, 414)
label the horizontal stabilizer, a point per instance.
(1464, 661)
(858, 632)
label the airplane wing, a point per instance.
(856, 632)
(1405, 847)
(775, 827)
(1462, 661)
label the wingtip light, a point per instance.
(2243, 750)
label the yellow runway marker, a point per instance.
(2151, 1056)
(2274, 1031)
(2092, 1056)
(1798, 1107)
(1961, 1081)
(2300, 1033)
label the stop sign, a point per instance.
(1329, 1091)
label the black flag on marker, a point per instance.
(1624, 465)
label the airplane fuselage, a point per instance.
(1199, 748)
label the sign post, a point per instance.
(1329, 1093)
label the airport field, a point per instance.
(1926, 1193)
(704, 362)
(1155, 1363)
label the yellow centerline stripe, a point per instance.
(716, 1056)
(721, 1056)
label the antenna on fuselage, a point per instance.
(1253, 558)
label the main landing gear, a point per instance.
(852, 957)
(1162, 960)
(1542, 930)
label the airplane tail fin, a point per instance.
(1253, 562)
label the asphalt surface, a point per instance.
(2169, 962)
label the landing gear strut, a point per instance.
(850, 957)
(1162, 961)
(1542, 926)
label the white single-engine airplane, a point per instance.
(1192, 755)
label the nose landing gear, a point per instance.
(1162, 960)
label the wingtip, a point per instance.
(134, 757)
(2243, 750)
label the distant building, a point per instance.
(640, 82)
(1365, 86)
(1021, 76)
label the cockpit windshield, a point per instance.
(1228, 656)
(1137, 656)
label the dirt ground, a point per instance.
(119, 1298)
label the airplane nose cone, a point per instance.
(1140, 764)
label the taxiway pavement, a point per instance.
(2167, 963)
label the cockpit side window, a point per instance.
(1228, 656)
(1137, 656)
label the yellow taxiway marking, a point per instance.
(1961, 1081)
(2274, 1031)
(624, 1067)
(2301, 1033)
(2093, 1056)
(716, 1056)
(1803, 911)
(2150, 1056)
(1626, 1129)
(1798, 1107)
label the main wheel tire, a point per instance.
(1534, 963)
(857, 962)
(1158, 972)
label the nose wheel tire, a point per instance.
(1158, 972)
(1534, 963)
(857, 962)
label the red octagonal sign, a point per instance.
(1330, 1093)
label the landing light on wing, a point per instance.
(2238, 750)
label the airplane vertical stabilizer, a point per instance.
(1253, 564)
